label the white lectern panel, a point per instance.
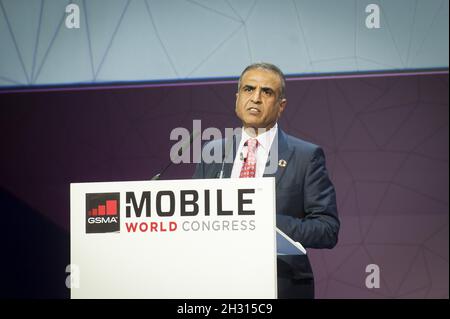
(174, 239)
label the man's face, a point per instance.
(258, 102)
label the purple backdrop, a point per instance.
(386, 141)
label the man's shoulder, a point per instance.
(300, 144)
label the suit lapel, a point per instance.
(230, 155)
(284, 155)
(227, 168)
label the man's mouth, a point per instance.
(253, 110)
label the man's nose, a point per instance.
(256, 97)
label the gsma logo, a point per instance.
(102, 213)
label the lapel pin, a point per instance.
(282, 163)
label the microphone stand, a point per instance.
(183, 147)
(228, 147)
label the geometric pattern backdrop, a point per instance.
(386, 141)
(158, 40)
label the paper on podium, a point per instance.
(286, 246)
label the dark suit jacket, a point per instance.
(305, 204)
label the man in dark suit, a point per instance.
(305, 197)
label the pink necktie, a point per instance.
(248, 170)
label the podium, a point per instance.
(181, 239)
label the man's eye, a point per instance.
(247, 89)
(268, 92)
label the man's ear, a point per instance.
(283, 104)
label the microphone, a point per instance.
(180, 152)
(228, 147)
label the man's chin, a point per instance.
(253, 121)
(255, 128)
(255, 125)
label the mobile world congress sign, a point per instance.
(212, 238)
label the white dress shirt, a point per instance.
(265, 141)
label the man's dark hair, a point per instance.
(268, 67)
